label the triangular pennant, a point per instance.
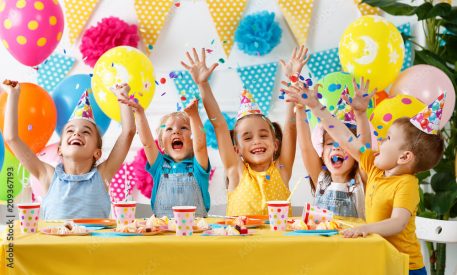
(151, 16)
(187, 89)
(260, 81)
(77, 13)
(298, 15)
(226, 16)
(408, 61)
(322, 63)
(54, 70)
(366, 9)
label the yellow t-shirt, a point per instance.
(254, 190)
(385, 193)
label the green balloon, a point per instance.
(333, 85)
(12, 176)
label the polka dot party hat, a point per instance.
(248, 106)
(428, 120)
(83, 109)
(343, 111)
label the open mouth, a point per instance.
(177, 144)
(75, 142)
(258, 151)
(337, 160)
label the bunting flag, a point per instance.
(54, 70)
(260, 80)
(226, 16)
(366, 9)
(151, 16)
(77, 13)
(408, 61)
(187, 89)
(322, 63)
(298, 15)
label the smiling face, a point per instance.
(80, 140)
(175, 137)
(255, 140)
(336, 159)
(391, 152)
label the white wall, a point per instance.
(189, 26)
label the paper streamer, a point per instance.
(324, 62)
(366, 9)
(151, 16)
(226, 17)
(187, 89)
(77, 13)
(54, 70)
(408, 61)
(298, 15)
(260, 81)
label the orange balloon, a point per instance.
(37, 116)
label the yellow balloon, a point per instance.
(391, 109)
(122, 64)
(372, 47)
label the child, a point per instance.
(181, 174)
(77, 187)
(335, 177)
(412, 145)
(257, 167)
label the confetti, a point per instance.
(352, 182)
(173, 75)
(163, 80)
(336, 144)
(350, 139)
(331, 126)
(324, 167)
(221, 60)
(304, 96)
(368, 145)
(375, 133)
(346, 157)
(177, 4)
(362, 149)
(64, 51)
(293, 78)
(319, 95)
(301, 77)
(178, 108)
(209, 50)
(323, 108)
(267, 177)
(150, 47)
(163, 94)
(212, 42)
(157, 83)
(91, 75)
(307, 177)
(183, 98)
(162, 126)
(335, 158)
(365, 95)
(380, 127)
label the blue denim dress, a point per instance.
(76, 196)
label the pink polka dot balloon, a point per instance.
(391, 109)
(124, 179)
(30, 30)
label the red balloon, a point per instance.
(37, 116)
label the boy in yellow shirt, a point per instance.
(392, 191)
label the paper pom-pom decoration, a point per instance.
(122, 183)
(109, 33)
(144, 181)
(211, 134)
(258, 33)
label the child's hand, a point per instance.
(192, 108)
(359, 231)
(361, 98)
(121, 90)
(297, 61)
(10, 86)
(132, 102)
(301, 95)
(197, 68)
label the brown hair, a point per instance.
(164, 119)
(427, 148)
(275, 130)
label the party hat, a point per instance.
(248, 106)
(83, 109)
(343, 110)
(428, 120)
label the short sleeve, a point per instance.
(152, 169)
(407, 194)
(367, 161)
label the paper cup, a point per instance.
(184, 219)
(29, 214)
(124, 212)
(316, 214)
(278, 212)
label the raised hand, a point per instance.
(192, 108)
(10, 86)
(197, 68)
(361, 99)
(121, 91)
(298, 59)
(301, 95)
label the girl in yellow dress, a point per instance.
(258, 164)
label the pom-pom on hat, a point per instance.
(428, 120)
(248, 106)
(83, 110)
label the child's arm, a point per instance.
(200, 73)
(336, 129)
(198, 135)
(117, 156)
(289, 142)
(40, 170)
(395, 224)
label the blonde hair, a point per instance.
(164, 119)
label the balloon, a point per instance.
(333, 85)
(372, 47)
(49, 155)
(31, 30)
(12, 177)
(66, 96)
(2, 150)
(392, 109)
(426, 83)
(122, 64)
(36, 115)
(379, 97)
